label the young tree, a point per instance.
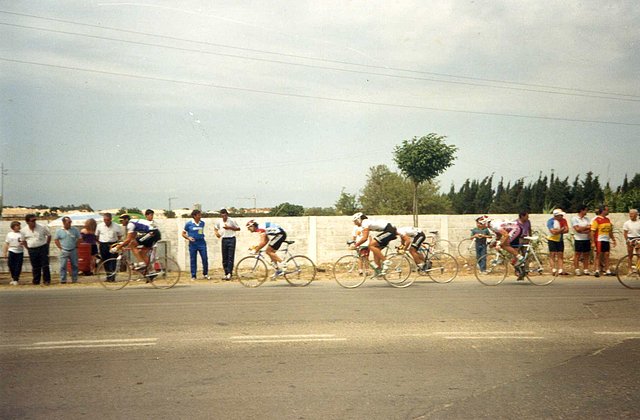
(422, 159)
(385, 192)
(347, 203)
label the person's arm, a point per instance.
(130, 238)
(186, 236)
(216, 230)
(233, 226)
(57, 242)
(78, 240)
(263, 241)
(363, 239)
(5, 250)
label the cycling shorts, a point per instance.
(603, 246)
(387, 235)
(582, 246)
(556, 246)
(418, 240)
(276, 240)
(148, 239)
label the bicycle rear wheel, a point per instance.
(251, 271)
(629, 274)
(442, 245)
(166, 275)
(467, 249)
(113, 273)
(444, 267)
(346, 271)
(539, 272)
(399, 271)
(300, 271)
(496, 269)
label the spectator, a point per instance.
(602, 239)
(88, 235)
(481, 233)
(557, 226)
(14, 252)
(37, 239)
(67, 240)
(581, 226)
(194, 233)
(631, 232)
(226, 229)
(107, 235)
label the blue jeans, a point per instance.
(481, 251)
(201, 248)
(72, 256)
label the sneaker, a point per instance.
(554, 272)
(385, 266)
(207, 277)
(139, 266)
(578, 272)
(562, 273)
(597, 273)
(586, 272)
(608, 273)
(227, 277)
(14, 283)
(277, 273)
(193, 279)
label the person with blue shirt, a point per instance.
(67, 240)
(143, 233)
(194, 233)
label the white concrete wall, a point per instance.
(323, 238)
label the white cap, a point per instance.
(558, 212)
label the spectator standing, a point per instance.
(14, 252)
(194, 233)
(581, 226)
(481, 233)
(88, 235)
(67, 240)
(557, 226)
(226, 229)
(602, 239)
(107, 235)
(37, 238)
(631, 232)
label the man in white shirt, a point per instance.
(108, 234)
(37, 239)
(631, 232)
(581, 226)
(226, 229)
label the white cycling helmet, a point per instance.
(358, 216)
(251, 223)
(483, 220)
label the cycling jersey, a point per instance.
(269, 228)
(409, 231)
(512, 228)
(375, 225)
(554, 223)
(141, 226)
(601, 228)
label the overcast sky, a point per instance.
(132, 103)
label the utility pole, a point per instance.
(255, 208)
(170, 199)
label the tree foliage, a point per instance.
(421, 160)
(287, 209)
(347, 203)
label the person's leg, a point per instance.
(481, 251)
(73, 257)
(231, 256)
(15, 264)
(377, 253)
(64, 259)
(272, 255)
(193, 260)
(225, 256)
(36, 270)
(205, 258)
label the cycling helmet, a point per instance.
(251, 223)
(358, 216)
(483, 220)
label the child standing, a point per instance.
(481, 233)
(14, 250)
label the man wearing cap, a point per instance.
(557, 226)
(37, 239)
(226, 229)
(194, 233)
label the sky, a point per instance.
(164, 103)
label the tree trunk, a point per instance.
(415, 204)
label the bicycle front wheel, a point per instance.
(443, 267)
(538, 271)
(496, 271)
(467, 249)
(166, 275)
(442, 245)
(399, 271)
(347, 272)
(113, 273)
(251, 271)
(629, 273)
(300, 271)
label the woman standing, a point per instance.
(88, 235)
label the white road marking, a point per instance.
(83, 344)
(290, 340)
(114, 340)
(293, 338)
(86, 346)
(491, 337)
(249, 337)
(617, 332)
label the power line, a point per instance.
(324, 98)
(322, 59)
(149, 44)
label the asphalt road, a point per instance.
(459, 350)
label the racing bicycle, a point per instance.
(628, 272)
(162, 272)
(252, 270)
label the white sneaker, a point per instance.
(586, 272)
(193, 279)
(207, 277)
(578, 272)
(14, 283)
(139, 265)
(228, 276)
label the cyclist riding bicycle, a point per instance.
(271, 235)
(412, 238)
(387, 233)
(141, 236)
(506, 232)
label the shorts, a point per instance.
(603, 246)
(556, 246)
(277, 240)
(582, 245)
(418, 240)
(148, 239)
(514, 234)
(363, 251)
(387, 235)
(94, 249)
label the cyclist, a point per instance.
(271, 235)
(602, 239)
(363, 249)
(386, 233)
(506, 232)
(141, 236)
(631, 232)
(412, 239)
